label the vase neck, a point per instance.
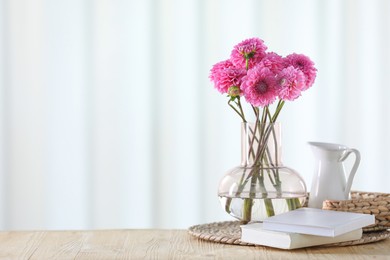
(261, 144)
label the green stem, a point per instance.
(269, 207)
(240, 107)
(247, 210)
(278, 109)
(235, 109)
(253, 132)
(293, 203)
(248, 202)
(278, 183)
(227, 204)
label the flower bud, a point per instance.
(234, 91)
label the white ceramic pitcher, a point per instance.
(329, 179)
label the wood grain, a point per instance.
(159, 244)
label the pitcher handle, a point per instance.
(353, 170)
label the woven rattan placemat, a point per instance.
(229, 232)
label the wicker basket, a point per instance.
(373, 203)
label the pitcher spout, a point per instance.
(328, 151)
(328, 146)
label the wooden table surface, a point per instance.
(159, 244)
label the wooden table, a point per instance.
(159, 244)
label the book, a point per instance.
(319, 222)
(255, 234)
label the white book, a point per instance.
(319, 222)
(254, 233)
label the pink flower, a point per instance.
(304, 64)
(274, 62)
(252, 49)
(291, 81)
(259, 86)
(224, 75)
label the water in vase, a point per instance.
(261, 208)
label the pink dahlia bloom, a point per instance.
(252, 49)
(274, 62)
(291, 81)
(259, 86)
(304, 64)
(224, 75)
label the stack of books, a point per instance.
(306, 227)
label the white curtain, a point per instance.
(108, 119)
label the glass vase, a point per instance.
(261, 186)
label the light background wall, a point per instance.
(108, 119)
